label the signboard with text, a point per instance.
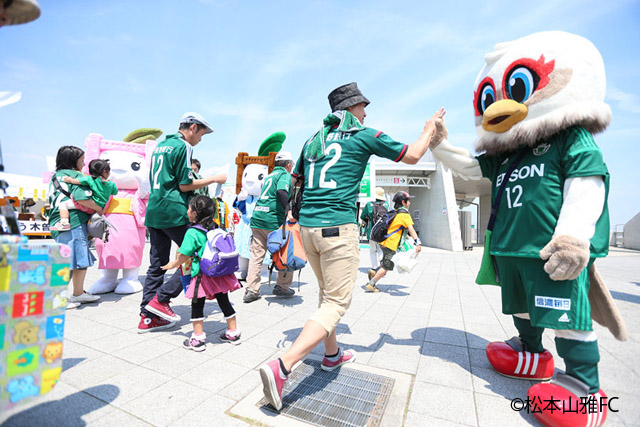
(34, 228)
(391, 180)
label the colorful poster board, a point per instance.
(33, 298)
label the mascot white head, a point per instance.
(532, 87)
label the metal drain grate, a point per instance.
(344, 397)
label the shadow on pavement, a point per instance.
(622, 296)
(67, 411)
(286, 301)
(462, 356)
(69, 363)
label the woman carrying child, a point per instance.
(202, 212)
(69, 163)
(101, 188)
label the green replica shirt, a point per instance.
(194, 242)
(532, 199)
(170, 167)
(331, 184)
(367, 215)
(269, 213)
(102, 190)
(76, 216)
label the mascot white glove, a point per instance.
(439, 134)
(567, 257)
(243, 195)
(144, 186)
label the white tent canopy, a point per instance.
(25, 186)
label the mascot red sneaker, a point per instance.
(538, 101)
(510, 359)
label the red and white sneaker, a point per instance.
(272, 382)
(148, 324)
(59, 226)
(508, 358)
(345, 357)
(162, 309)
(566, 402)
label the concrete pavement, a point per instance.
(432, 324)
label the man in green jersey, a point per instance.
(268, 215)
(371, 212)
(172, 184)
(332, 164)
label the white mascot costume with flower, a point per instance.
(253, 175)
(126, 211)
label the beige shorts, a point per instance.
(334, 261)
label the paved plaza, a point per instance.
(432, 325)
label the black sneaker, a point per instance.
(281, 292)
(194, 344)
(250, 296)
(228, 338)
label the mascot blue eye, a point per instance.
(135, 166)
(260, 176)
(520, 83)
(486, 98)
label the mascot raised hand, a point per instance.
(126, 211)
(538, 101)
(252, 170)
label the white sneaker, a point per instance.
(84, 298)
(71, 305)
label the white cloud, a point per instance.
(627, 102)
(8, 98)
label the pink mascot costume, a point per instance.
(126, 211)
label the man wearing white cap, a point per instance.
(172, 184)
(268, 215)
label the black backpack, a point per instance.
(378, 211)
(381, 226)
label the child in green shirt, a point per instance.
(99, 185)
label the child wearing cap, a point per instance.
(400, 225)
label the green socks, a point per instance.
(581, 360)
(530, 335)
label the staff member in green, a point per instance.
(172, 185)
(268, 215)
(370, 214)
(332, 163)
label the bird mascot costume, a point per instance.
(538, 100)
(126, 210)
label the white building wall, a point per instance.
(439, 224)
(632, 233)
(484, 212)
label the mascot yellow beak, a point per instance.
(502, 115)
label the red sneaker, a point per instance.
(162, 309)
(273, 382)
(509, 359)
(555, 405)
(148, 324)
(345, 357)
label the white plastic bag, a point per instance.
(405, 261)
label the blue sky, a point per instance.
(252, 68)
